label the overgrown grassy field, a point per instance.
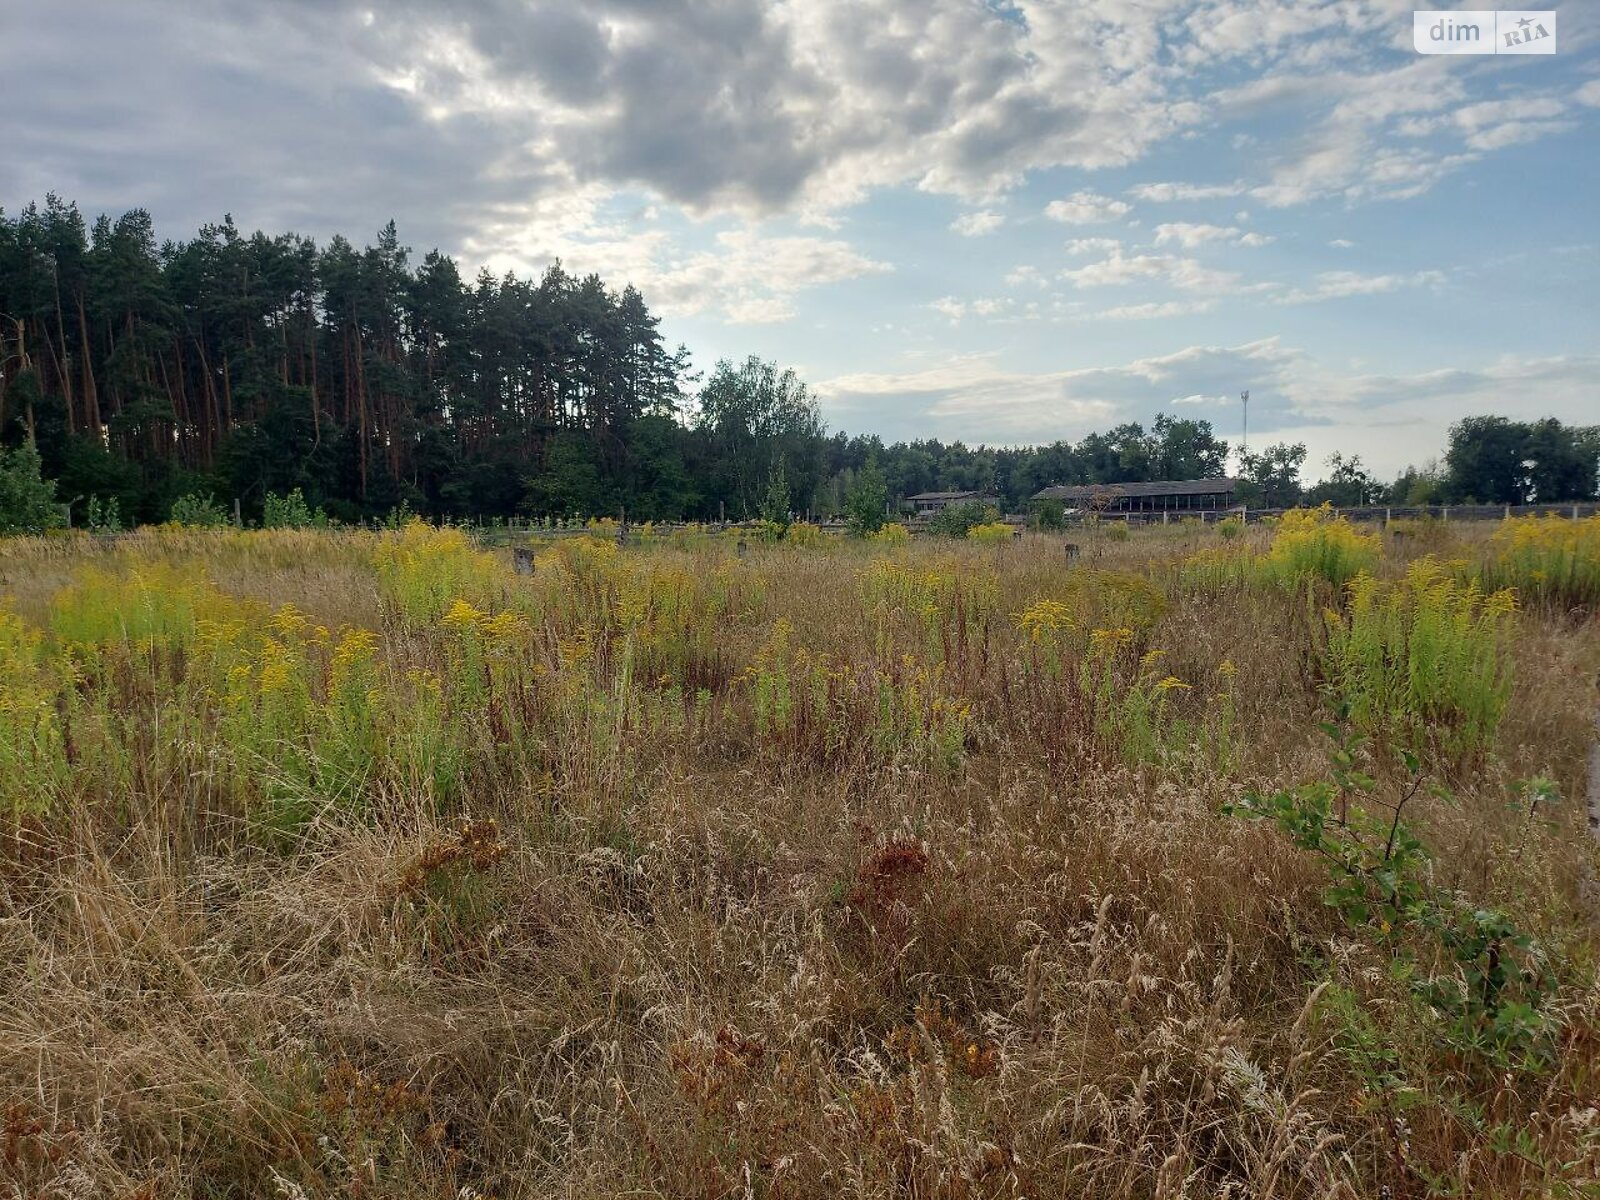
(1219, 862)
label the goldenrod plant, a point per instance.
(33, 765)
(1549, 560)
(1422, 659)
(1308, 546)
(1318, 543)
(991, 533)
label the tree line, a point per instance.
(136, 376)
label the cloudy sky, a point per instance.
(1003, 222)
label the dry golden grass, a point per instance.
(831, 952)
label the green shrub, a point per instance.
(290, 512)
(1473, 972)
(1049, 514)
(103, 516)
(957, 520)
(197, 512)
(867, 500)
(401, 515)
(27, 499)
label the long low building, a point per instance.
(929, 503)
(1160, 495)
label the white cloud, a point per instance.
(1191, 235)
(976, 224)
(1588, 94)
(1388, 134)
(757, 310)
(1155, 310)
(1087, 208)
(1098, 245)
(957, 309)
(1232, 30)
(1165, 193)
(1341, 243)
(1335, 285)
(1493, 124)
(754, 276)
(1497, 123)
(746, 277)
(1184, 273)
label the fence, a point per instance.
(521, 531)
(1365, 513)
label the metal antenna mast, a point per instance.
(1244, 436)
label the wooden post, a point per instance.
(238, 521)
(742, 547)
(1072, 553)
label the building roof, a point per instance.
(1155, 487)
(945, 495)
